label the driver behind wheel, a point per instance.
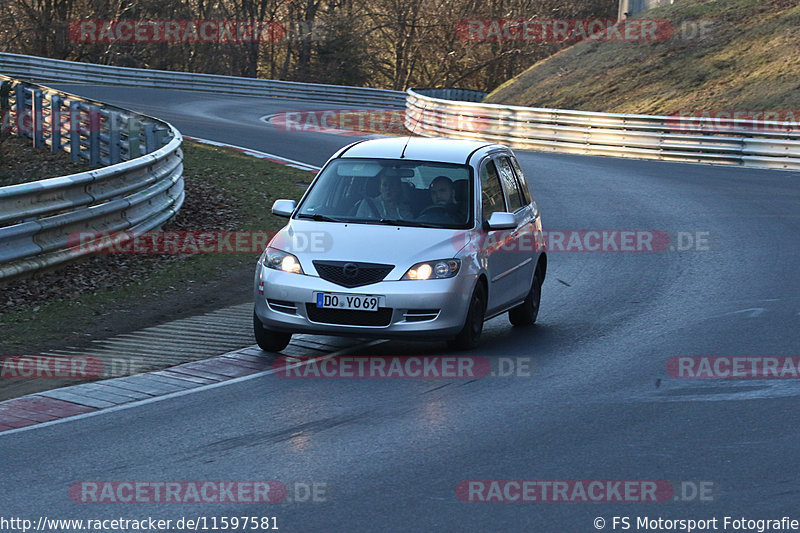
(444, 204)
(442, 191)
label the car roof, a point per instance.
(417, 149)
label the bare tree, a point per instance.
(392, 44)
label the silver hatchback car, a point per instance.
(414, 238)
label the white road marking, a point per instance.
(261, 155)
(184, 392)
(751, 312)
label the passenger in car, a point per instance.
(389, 204)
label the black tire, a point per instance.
(470, 335)
(525, 314)
(267, 339)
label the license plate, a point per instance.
(358, 302)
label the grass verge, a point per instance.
(110, 294)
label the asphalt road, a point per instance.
(597, 404)
(229, 119)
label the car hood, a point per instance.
(395, 245)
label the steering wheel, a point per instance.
(435, 208)
(437, 212)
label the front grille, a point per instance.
(349, 317)
(351, 273)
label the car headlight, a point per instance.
(280, 260)
(443, 268)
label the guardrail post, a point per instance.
(160, 133)
(55, 123)
(94, 136)
(113, 138)
(21, 107)
(37, 116)
(150, 138)
(37, 220)
(5, 107)
(134, 126)
(74, 131)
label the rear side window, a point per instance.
(523, 183)
(515, 200)
(491, 190)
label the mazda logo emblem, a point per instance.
(350, 270)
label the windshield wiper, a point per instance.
(409, 223)
(321, 218)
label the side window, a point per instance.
(510, 184)
(524, 188)
(491, 190)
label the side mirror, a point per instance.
(501, 220)
(283, 208)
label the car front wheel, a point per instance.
(470, 334)
(267, 339)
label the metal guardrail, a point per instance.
(452, 93)
(139, 188)
(735, 142)
(40, 69)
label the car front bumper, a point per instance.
(412, 309)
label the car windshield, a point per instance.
(391, 191)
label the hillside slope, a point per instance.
(723, 54)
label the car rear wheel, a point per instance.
(267, 339)
(525, 314)
(470, 334)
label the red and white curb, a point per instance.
(90, 397)
(260, 155)
(87, 399)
